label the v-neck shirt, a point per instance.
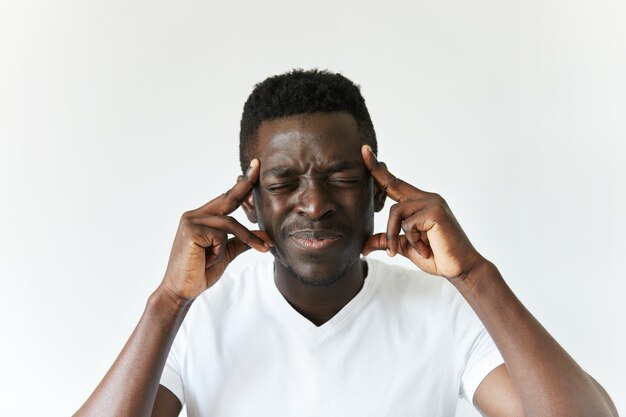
(406, 345)
(309, 329)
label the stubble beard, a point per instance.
(323, 283)
(310, 282)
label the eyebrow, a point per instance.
(332, 168)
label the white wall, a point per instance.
(117, 116)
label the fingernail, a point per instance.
(250, 167)
(389, 252)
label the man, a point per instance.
(322, 331)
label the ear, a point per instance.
(379, 197)
(379, 194)
(249, 208)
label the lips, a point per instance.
(314, 239)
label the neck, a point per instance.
(320, 304)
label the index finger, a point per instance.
(231, 199)
(393, 186)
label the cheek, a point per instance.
(268, 212)
(366, 198)
(366, 209)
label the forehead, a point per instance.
(309, 140)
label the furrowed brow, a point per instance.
(343, 166)
(279, 172)
(282, 172)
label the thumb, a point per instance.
(373, 243)
(264, 237)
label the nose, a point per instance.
(314, 201)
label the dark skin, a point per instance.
(326, 211)
(309, 191)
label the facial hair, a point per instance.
(325, 283)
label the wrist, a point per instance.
(167, 302)
(481, 272)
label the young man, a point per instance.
(320, 330)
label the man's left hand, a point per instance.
(433, 239)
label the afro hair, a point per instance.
(300, 92)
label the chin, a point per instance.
(319, 273)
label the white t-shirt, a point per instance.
(406, 345)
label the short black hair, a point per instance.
(299, 92)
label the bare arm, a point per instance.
(546, 379)
(166, 404)
(129, 388)
(542, 379)
(200, 254)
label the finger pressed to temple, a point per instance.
(393, 186)
(232, 199)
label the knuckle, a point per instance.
(185, 219)
(439, 208)
(439, 199)
(231, 224)
(226, 195)
(232, 202)
(211, 237)
(187, 231)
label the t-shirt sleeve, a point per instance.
(172, 377)
(476, 353)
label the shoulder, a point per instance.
(408, 282)
(238, 286)
(409, 293)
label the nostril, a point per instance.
(315, 203)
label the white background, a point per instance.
(117, 116)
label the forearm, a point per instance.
(548, 381)
(129, 387)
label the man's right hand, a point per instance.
(202, 250)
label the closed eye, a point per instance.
(345, 182)
(276, 188)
